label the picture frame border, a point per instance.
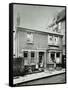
(11, 42)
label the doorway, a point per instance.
(52, 56)
(41, 59)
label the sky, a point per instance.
(34, 17)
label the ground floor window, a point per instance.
(58, 54)
(25, 54)
(53, 56)
(58, 58)
(55, 59)
(33, 59)
(32, 56)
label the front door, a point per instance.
(41, 59)
(52, 56)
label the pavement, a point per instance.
(35, 76)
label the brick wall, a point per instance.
(40, 41)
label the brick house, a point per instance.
(38, 48)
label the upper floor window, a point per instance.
(56, 40)
(29, 37)
(53, 40)
(50, 39)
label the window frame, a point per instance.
(59, 26)
(50, 41)
(29, 36)
(26, 55)
(32, 57)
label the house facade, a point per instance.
(39, 49)
(58, 25)
(61, 19)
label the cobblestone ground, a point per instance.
(53, 79)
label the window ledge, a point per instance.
(53, 45)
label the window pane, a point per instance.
(32, 57)
(56, 40)
(53, 56)
(58, 54)
(32, 54)
(25, 54)
(29, 37)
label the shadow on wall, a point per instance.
(19, 69)
(18, 66)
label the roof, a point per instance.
(38, 31)
(61, 15)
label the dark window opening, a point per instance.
(40, 56)
(51, 39)
(32, 57)
(41, 53)
(58, 54)
(25, 54)
(53, 56)
(32, 54)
